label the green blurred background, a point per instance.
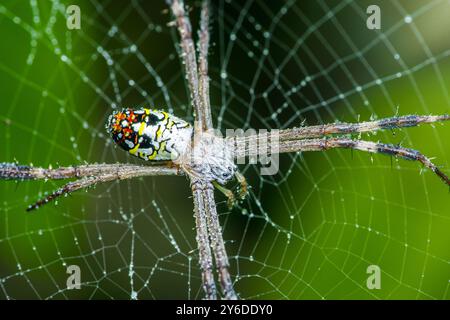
(309, 232)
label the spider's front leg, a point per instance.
(242, 192)
(231, 200)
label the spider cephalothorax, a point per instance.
(209, 158)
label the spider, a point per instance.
(155, 135)
(172, 146)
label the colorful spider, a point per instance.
(205, 157)
(156, 135)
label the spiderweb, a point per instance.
(310, 231)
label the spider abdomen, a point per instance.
(150, 134)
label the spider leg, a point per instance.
(231, 199)
(66, 189)
(243, 183)
(97, 174)
(227, 192)
(203, 193)
(203, 243)
(217, 244)
(203, 47)
(362, 145)
(189, 58)
(14, 171)
(369, 126)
